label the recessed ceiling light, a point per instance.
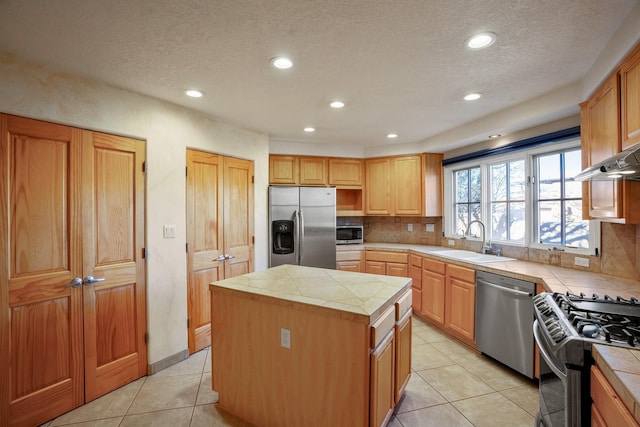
(194, 93)
(495, 135)
(472, 96)
(337, 104)
(309, 129)
(282, 62)
(392, 135)
(631, 172)
(480, 41)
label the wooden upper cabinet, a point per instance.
(283, 170)
(346, 172)
(408, 185)
(313, 171)
(378, 177)
(630, 99)
(600, 123)
(600, 116)
(433, 184)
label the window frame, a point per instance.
(531, 220)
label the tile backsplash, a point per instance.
(396, 230)
(619, 248)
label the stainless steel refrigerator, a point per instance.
(302, 226)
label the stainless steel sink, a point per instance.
(471, 256)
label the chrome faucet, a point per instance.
(486, 248)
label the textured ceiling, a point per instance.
(400, 66)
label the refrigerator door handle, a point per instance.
(296, 235)
(301, 238)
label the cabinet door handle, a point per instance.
(220, 258)
(227, 256)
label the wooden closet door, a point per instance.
(113, 237)
(238, 216)
(205, 256)
(41, 360)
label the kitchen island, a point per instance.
(296, 346)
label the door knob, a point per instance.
(74, 283)
(90, 280)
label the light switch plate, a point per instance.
(409, 227)
(451, 242)
(430, 228)
(169, 231)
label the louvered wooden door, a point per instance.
(62, 340)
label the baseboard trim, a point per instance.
(154, 368)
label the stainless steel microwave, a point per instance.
(349, 235)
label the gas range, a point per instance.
(565, 329)
(572, 323)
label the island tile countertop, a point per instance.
(360, 296)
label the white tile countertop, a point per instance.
(554, 279)
(358, 295)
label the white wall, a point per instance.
(34, 91)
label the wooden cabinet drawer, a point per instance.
(355, 266)
(403, 305)
(415, 260)
(396, 269)
(462, 273)
(397, 257)
(434, 266)
(348, 255)
(381, 327)
(375, 267)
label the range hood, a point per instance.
(625, 165)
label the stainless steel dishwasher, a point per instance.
(504, 320)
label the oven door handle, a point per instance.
(545, 355)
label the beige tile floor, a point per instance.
(450, 386)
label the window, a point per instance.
(527, 197)
(558, 200)
(468, 192)
(508, 201)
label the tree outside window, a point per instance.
(508, 185)
(559, 200)
(468, 194)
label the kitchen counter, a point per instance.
(620, 366)
(313, 345)
(554, 279)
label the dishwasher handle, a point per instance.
(514, 292)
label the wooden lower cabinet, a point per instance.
(403, 355)
(433, 290)
(382, 381)
(607, 408)
(460, 299)
(415, 272)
